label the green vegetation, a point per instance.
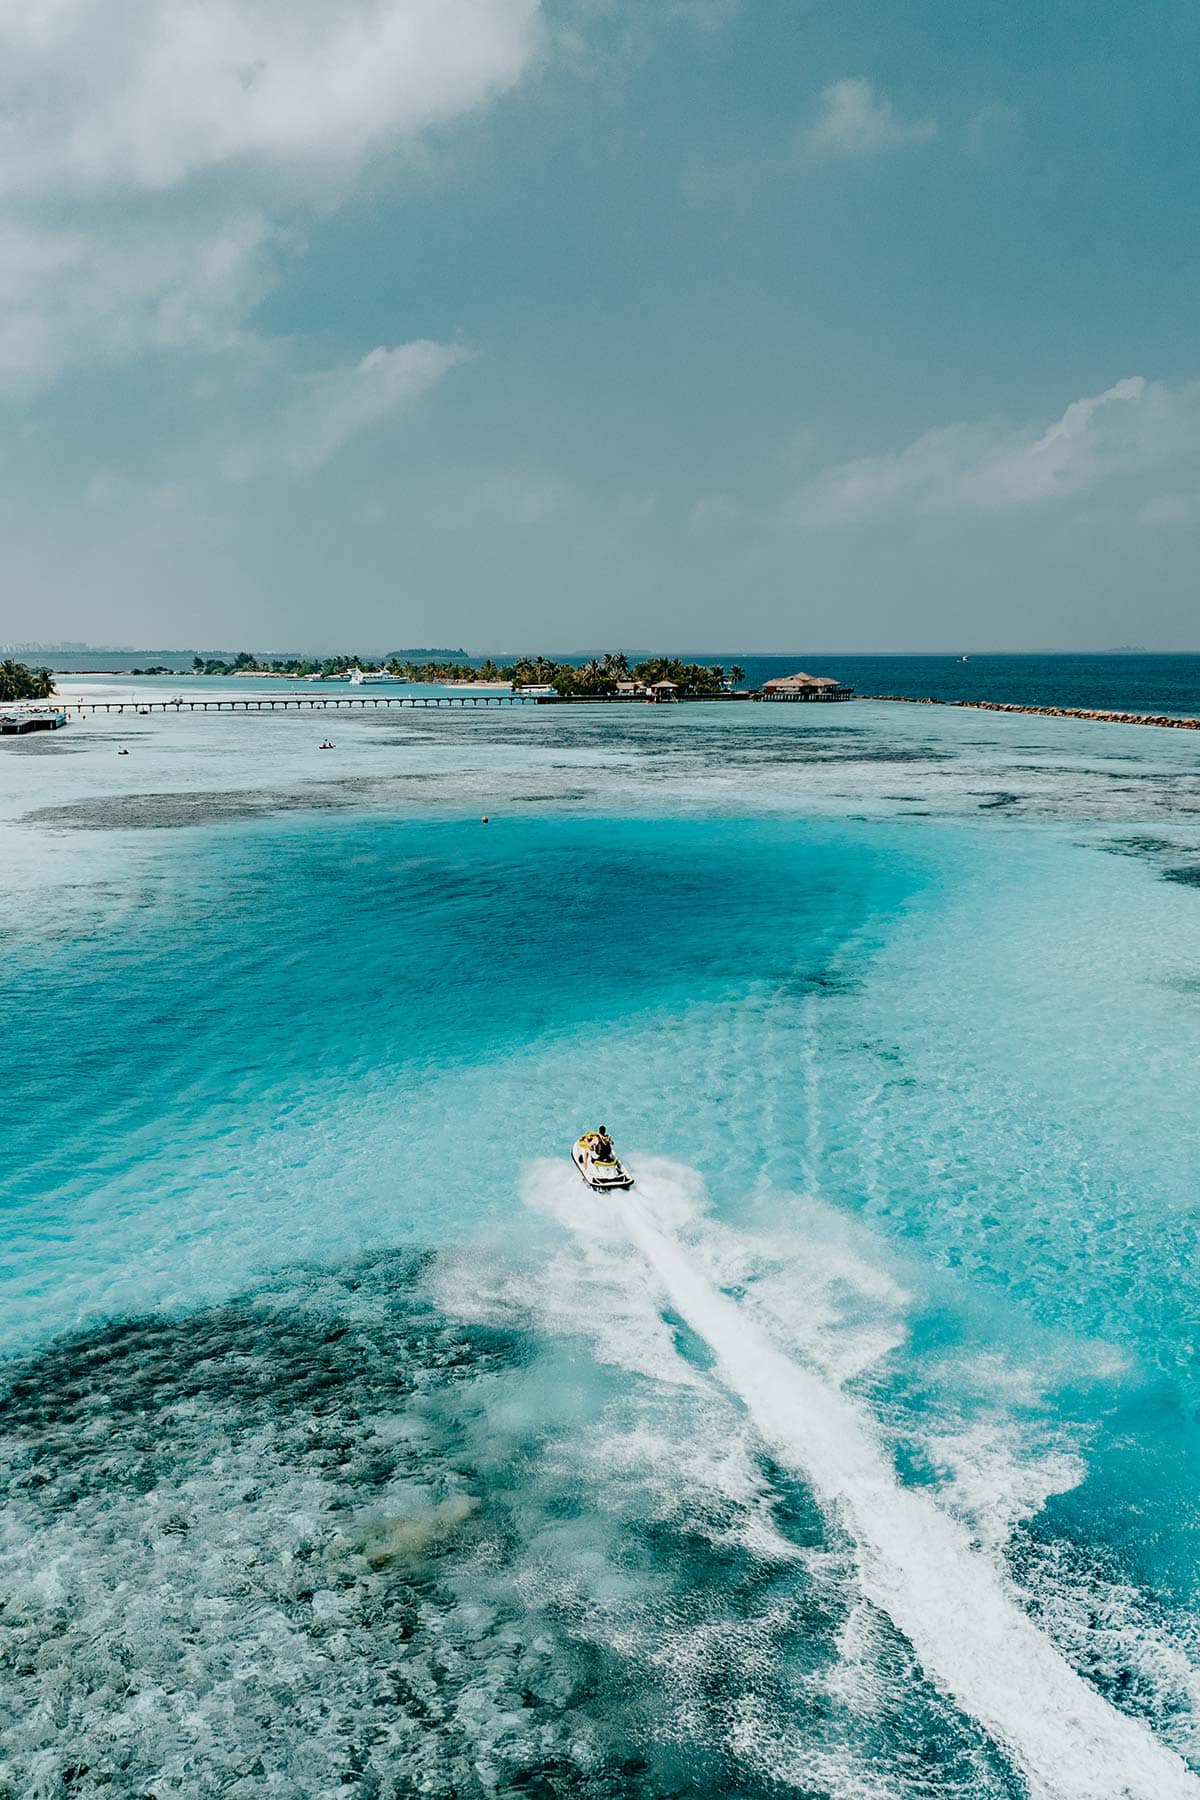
(600, 676)
(330, 666)
(19, 682)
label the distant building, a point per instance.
(663, 690)
(805, 687)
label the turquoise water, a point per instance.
(352, 1447)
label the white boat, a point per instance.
(600, 1173)
(359, 677)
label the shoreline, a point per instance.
(1166, 721)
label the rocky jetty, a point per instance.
(1048, 712)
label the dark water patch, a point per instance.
(282, 1363)
(1170, 859)
(1142, 846)
(797, 754)
(160, 812)
(1175, 779)
(41, 743)
(249, 1550)
(827, 981)
(1000, 800)
(691, 1347)
(894, 753)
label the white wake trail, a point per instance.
(919, 1566)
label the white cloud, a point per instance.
(329, 408)
(71, 295)
(1132, 427)
(119, 94)
(177, 137)
(856, 120)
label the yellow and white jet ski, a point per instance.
(601, 1171)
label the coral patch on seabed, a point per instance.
(230, 1550)
(326, 1538)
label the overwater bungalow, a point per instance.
(805, 687)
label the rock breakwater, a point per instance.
(1047, 712)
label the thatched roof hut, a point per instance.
(805, 687)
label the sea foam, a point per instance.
(915, 1562)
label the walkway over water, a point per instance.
(301, 702)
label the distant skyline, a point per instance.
(540, 326)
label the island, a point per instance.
(609, 676)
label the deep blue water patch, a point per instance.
(279, 978)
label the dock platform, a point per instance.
(16, 721)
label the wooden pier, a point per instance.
(297, 703)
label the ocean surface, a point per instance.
(350, 1446)
(1109, 683)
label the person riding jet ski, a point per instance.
(596, 1160)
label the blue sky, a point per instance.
(706, 324)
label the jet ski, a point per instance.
(601, 1173)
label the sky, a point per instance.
(696, 324)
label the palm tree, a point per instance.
(18, 682)
(737, 674)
